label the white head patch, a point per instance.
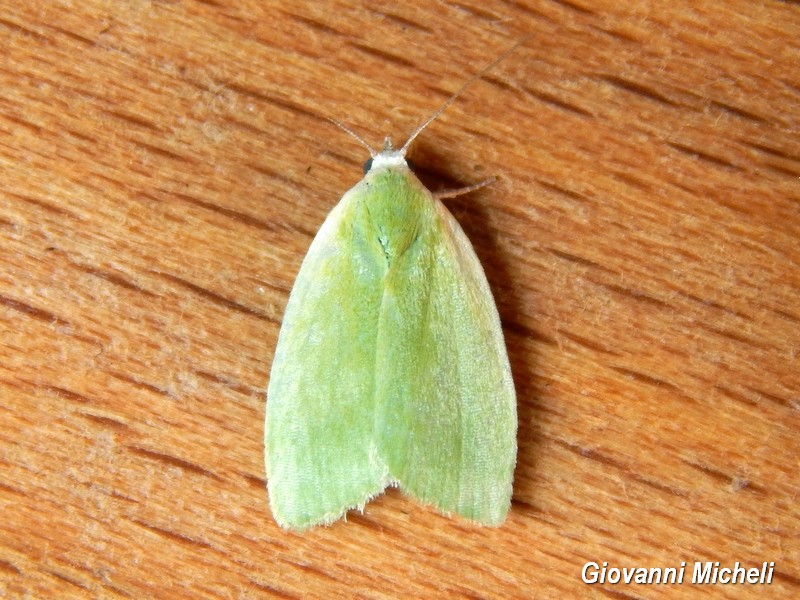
(389, 158)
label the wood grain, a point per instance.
(165, 167)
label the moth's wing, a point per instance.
(446, 407)
(320, 448)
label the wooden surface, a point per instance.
(165, 166)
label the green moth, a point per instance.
(390, 368)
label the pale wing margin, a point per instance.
(446, 408)
(320, 448)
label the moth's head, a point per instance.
(388, 157)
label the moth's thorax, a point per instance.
(394, 201)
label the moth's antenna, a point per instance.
(361, 140)
(452, 98)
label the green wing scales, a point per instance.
(446, 407)
(390, 366)
(320, 444)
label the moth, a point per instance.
(391, 367)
